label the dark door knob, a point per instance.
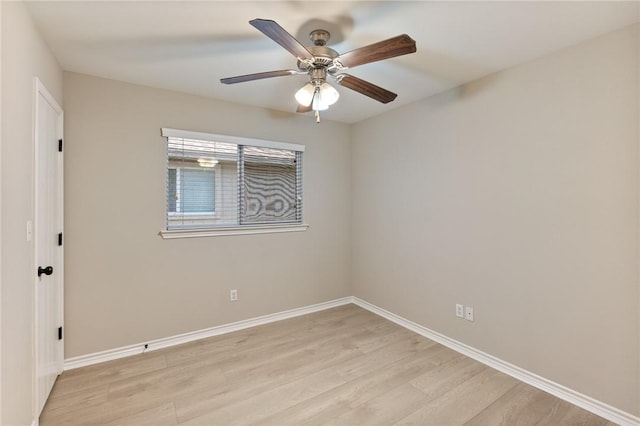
(47, 271)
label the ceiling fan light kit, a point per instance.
(317, 93)
(320, 62)
(318, 96)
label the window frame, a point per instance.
(213, 231)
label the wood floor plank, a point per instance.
(464, 401)
(341, 366)
(266, 369)
(387, 354)
(359, 390)
(165, 387)
(564, 413)
(162, 415)
(447, 376)
(525, 405)
(252, 409)
(384, 409)
(261, 381)
(60, 404)
(258, 338)
(81, 378)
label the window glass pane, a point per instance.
(269, 185)
(197, 190)
(171, 191)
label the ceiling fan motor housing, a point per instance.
(322, 57)
(318, 75)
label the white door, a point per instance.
(48, 244)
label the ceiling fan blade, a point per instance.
(278, 34)
(257, 76)
(396, 46)
(366, 88)
(302, 108)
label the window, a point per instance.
(219, 183)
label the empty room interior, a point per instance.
(316, 212)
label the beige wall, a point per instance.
(24, 56)
(517, 195)
(124, 283)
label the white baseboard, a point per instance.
(112, 354)
(590, 404)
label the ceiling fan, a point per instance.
(320, 62)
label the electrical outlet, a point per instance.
(233, 295)
(459, 310)
(468, 313)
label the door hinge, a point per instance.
(59, 145)
(60, 239)
(59, 333)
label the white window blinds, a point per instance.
(216, 181)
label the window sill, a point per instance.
(239, 230)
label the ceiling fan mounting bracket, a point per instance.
(319, 37)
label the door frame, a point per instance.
(41, 90)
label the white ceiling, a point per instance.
(188, 46)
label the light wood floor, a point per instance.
(343, 366)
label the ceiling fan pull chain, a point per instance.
(317, 116)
